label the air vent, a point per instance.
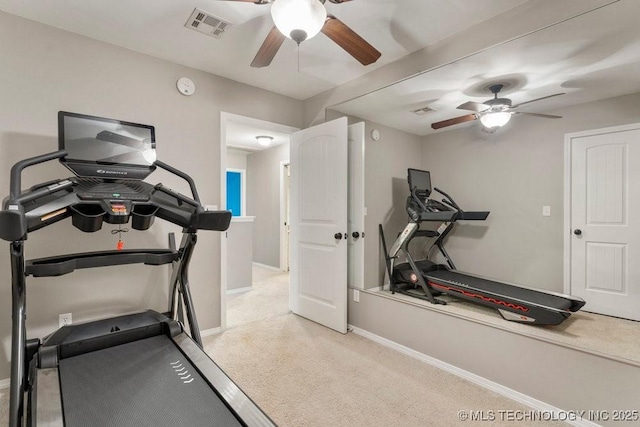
(422, 111)
(205, 23)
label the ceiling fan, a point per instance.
(300, 20)
(493, 113)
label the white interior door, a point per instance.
(319, 224)
(605, 220)
(355, 218)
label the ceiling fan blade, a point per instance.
(347, 39)
(474, 106)
(268, 49)
(454, 121)
(546, 116)
(537, 99)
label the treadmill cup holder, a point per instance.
(88, 217)
(143, 216)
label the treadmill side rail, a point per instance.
(239, 402)
(48, 404)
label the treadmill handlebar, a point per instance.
(416, 198)
(182, 175)
(15, 185)
(449, 200)
(181, 197)
(419, 211)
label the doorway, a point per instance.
(254, 251)
(602, 233)
(285, 218)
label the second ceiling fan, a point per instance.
(493, 113)
(300, 20)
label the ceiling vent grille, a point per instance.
(422, 111)
(205, 23)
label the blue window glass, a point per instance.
(234, 193)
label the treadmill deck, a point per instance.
(143, 383)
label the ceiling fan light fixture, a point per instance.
(495, 119)
(264, 140)
(298, 20)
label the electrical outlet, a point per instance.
(64, 319)
(546, 211)
(356, 295)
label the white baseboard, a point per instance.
(268, 267)
(209, 332)
(5, 383)
(239, 290)
(476, 379)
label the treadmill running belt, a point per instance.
(500, 289)
(143, 383)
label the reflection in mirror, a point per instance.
(560, 87)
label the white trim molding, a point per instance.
(5, 383)
(243, 219)
(210, 332)
(239, 290)
(268, 267)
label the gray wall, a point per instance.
(569, 379)
(236, 159)
(263, 202)
(513, 173)
(385, 175)
(240, 254)
(45, 70)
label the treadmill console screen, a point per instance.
(104, 148)
(421, 180)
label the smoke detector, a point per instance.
(208, 24)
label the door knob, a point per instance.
(355, 234)
(577, 232)
(338, 236)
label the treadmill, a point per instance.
(426, 279)
(140, 369)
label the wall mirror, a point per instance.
(585, 70)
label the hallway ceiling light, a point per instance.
(264, 140)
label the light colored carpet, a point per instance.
(269, 297)
(305, 375)
(4, 407)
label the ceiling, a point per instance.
(242, 136)
(593, 56)
(157, 27)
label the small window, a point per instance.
(235, 192)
